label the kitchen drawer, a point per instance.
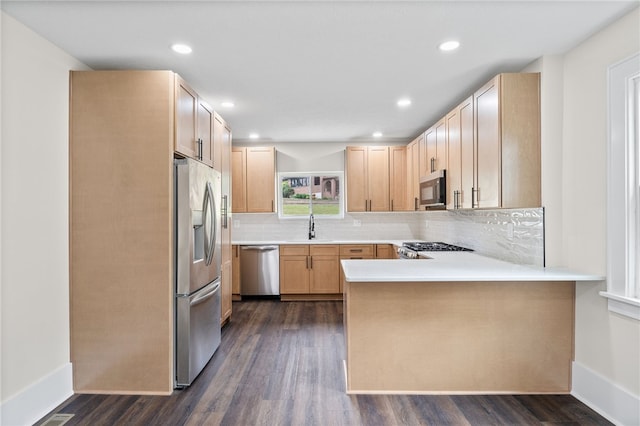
(294, 250)
(364, 250)
(324, 250)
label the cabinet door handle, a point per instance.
(199, 142)
(415, 203)
(475, 193)
(307, 260)
(433, 164)
(391, 205)
(225, 208)
(310, 262)
(356, 250)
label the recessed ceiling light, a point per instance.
(181, 48)
(404, 102)
(449, 45)
(377, 134)
(254, 136)
(228, 104)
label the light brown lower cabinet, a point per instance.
(309, 270)
(226, 297)
(235, 287)
(385, 251)
(355, 251)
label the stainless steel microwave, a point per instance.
(433, 189)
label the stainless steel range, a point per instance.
(410, 250)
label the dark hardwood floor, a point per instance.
(280, 363)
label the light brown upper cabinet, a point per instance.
(460, 153)
(413, 173)
(507, 142)
(436, 147)
(253, 180)
(194, 124)
(367, 178)
(238, 180)
(398, 178)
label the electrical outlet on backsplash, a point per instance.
(514, 235)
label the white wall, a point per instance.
(551, 96)
(34, 225)
(607, 345)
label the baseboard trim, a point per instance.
(34, 402)
(617, 405)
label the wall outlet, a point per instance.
(356, 222)
(426, 223)
(510, 231)
(236, 224)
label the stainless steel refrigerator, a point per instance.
(198, 266)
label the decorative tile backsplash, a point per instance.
(515, 235)
(354, 226)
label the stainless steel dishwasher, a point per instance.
(260, 270)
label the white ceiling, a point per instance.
(301, 71)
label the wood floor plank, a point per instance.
(437, 410)
(282, 364)
(494, 409)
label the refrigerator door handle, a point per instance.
(209, 204)
(205, 296)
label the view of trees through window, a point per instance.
(310, 193)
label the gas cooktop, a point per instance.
(433, 246)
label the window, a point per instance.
(623, 189)
(319, 193)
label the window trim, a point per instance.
(623, 167)
(310, 175)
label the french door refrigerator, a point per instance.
(198, 265)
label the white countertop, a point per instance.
(454, 266)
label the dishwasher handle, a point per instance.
(259, 248)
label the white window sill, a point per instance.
(623, 305)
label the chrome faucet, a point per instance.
(312, 227)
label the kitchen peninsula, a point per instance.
(458, 323)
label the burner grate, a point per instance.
(433, 246)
